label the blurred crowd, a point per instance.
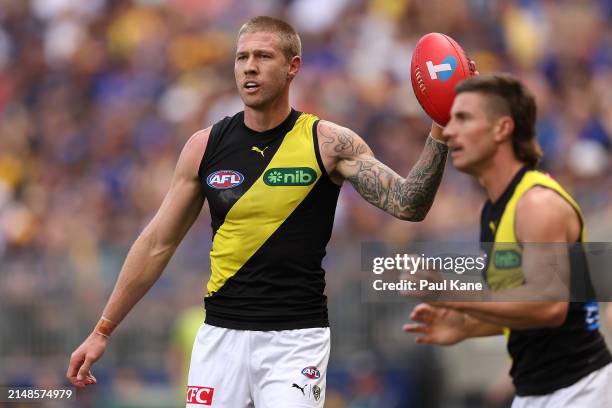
(98, 97)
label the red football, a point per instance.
(438, 64)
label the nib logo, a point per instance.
(200, 395)
(274, 177)
(290, 176)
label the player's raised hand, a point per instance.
(437, 325)
(79, 371)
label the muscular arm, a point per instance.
(350, 158)
(153, 249)
(542, 216)
(147, 258)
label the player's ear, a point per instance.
(504, 127)
(294, 66)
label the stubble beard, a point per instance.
(261, 101)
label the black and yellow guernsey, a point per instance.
(543, 360)
(272, 207)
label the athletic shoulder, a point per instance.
(199, 139)
(541, 201)
(196, 144)
(339, 141)
(543, 214)
(193, 152)
(330, 129)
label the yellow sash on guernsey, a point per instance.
(505, 266)
(261, 210)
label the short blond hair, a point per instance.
(290, 40)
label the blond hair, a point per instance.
(290, 40)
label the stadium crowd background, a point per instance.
(97, 98)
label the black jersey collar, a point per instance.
(493, 211)
(509, 191)
(284, 127)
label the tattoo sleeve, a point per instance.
(407, 198)
(419, 188)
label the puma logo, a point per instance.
(258, 150)
(299, 388)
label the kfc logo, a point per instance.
(200, 395)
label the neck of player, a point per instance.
(265, 118)
(497, 177)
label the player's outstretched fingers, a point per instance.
(427, 339)
(414, 328)
(423, 330)
(422, 313)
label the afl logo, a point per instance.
(222, 179)
(311, 372)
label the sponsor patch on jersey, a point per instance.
(289, 176)
(507, 259)
(200, 395)
(222, 179)
(311, 372)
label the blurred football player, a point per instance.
(559, 358)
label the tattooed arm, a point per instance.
(347, 156)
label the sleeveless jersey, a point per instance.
(543, 360)
(272, 208)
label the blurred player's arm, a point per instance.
(350, 158)
(148, 256)
(445, 327)
(542, 216)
